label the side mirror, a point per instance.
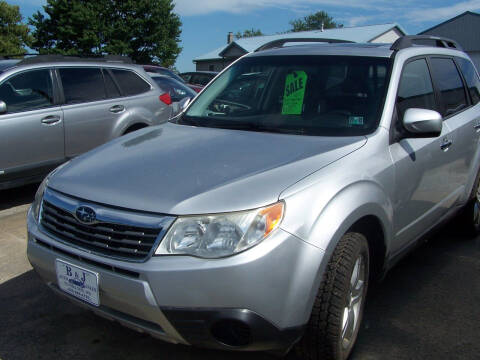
(422, 122)
(3, 107)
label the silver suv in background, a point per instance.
(256, 219)
(53, 108)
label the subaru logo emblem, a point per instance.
(85, 214)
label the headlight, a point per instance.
(37, 203)
(215, 236)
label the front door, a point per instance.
(423, 192)
(31, 131)
(461, 113)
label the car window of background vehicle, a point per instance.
(130, 83)
(110, 86)
(29, 90)
(82, 85)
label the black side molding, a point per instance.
(231, 329)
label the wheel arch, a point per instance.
(361, 207)
(135, 126)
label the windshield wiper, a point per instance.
(281, 130)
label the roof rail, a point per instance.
(38, 59)
(279, 43)
(424, 40)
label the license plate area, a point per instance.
(78, 282)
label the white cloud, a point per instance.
(189, 7)
(356, 20)
(442, 13)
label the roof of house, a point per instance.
(359, 34)
(463, 28)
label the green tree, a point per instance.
(248, 33)
(314, 22)
(14, 35)
(146, 30)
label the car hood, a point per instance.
(179, 170)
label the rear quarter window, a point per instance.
(449, 84)
(130, 83)
(471, 78)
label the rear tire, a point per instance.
(337, 311)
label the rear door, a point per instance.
(31, 131)
(422, 165)
(92, 106)
(456, 109)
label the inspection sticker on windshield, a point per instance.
(294, 93)
(355, 120)
(79, 282)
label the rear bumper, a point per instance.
(256, 300)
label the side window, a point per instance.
(82, 84)
(110, 86)
(187, 77)
(449, 84)
(130, 83)
(27, 91)
(471, 78)
(178, 93)
(201, 79)
(415, 90)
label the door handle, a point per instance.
(51, 119)
(117, 109)
(477, 126)
(446, 144)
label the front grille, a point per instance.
(111, 239)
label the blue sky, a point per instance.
(207, 22)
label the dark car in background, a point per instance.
(172, 90)
(167, 72)
(197, 80)
(162, 71)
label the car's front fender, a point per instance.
(326, 219)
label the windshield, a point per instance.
(309, 95)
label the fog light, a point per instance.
(231, 332)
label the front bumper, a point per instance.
(257, 300)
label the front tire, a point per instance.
(338, 308)
(471, 214)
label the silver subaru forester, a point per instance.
(256, 218)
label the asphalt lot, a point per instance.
(426, 308)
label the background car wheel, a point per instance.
(337, 312)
